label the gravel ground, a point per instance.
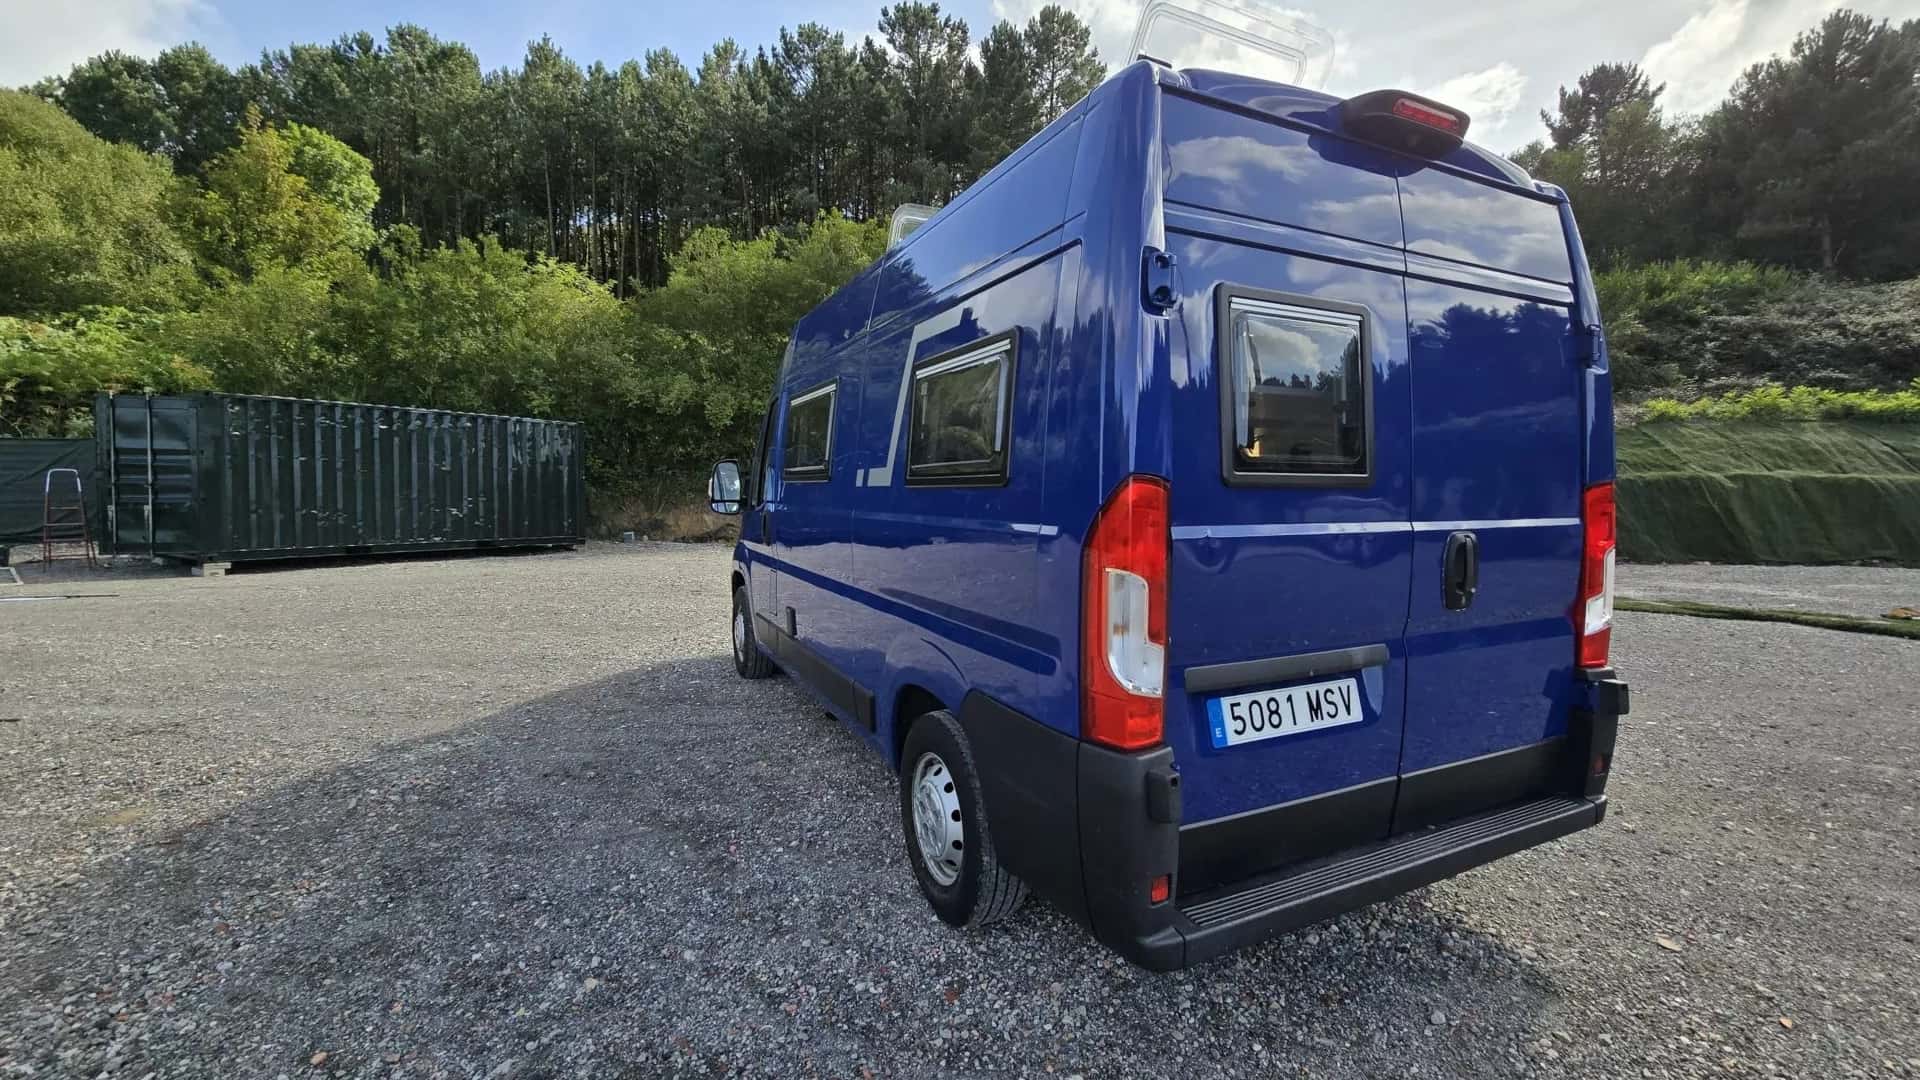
(1863, 591)
(517, 817)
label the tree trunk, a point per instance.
(546, 170)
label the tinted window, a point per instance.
(959, 424)
(1296, 389)
(810, 434)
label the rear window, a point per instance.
(959, 424)
(810, 435)
(1294, 392)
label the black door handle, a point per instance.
(1460, 578)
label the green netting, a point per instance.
(1752, 492)
(23, 470)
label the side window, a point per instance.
(809, 453)
(958, 429)
(1295, 393)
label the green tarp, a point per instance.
(23, 471)
(1770, 492)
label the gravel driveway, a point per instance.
(1865, 592)
(515, 816)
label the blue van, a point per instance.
(1209, 514)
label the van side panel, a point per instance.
(810, 528)
(945, 573)
(948, 571)
(1499, 432)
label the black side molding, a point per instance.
(1209, 678)
(796, 657)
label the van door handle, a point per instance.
(1461, 570)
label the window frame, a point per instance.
(1235, 298)
(1000, 348)
(810, 474)
(756, 483)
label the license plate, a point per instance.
(1269, 714)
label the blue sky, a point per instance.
(1500, 60)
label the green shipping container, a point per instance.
(227, 478)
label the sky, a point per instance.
(1499, 60)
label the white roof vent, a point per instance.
(907, 218)
(1241, 37)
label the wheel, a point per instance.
(748, 660)
(946, 827)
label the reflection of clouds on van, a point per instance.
(1458, 219)
(1235, 159)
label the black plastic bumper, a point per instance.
(1216, 922)
(1089, 829)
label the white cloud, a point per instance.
(1488, 97)
(1700, 60)
(39, 38)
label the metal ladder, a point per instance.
(63, 519)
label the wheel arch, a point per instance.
(925, 679)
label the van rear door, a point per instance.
(1497, 464)
(1291, 535)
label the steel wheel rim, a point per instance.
(740, 634)
(937, 825)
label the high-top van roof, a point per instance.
(1469, 206)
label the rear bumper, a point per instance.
(1089, 829)
(1213, 923)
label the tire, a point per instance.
(972, 889)
(748, 660)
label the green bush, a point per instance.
(1686, 329)
(1686, 289)
(1798, 403)
(50, 371)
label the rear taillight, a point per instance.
(1593, 613)
(1123, 654)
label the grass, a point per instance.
(1899, 628)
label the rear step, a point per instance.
(1226, 918)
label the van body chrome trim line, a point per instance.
(1496, 523)
(1302, 528)
(1332, 528)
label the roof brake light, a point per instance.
(1419, 113)
(1405, 122)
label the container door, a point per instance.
(1497, 452)
(1290, 556)
(153, 483)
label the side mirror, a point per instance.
(723, 487)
